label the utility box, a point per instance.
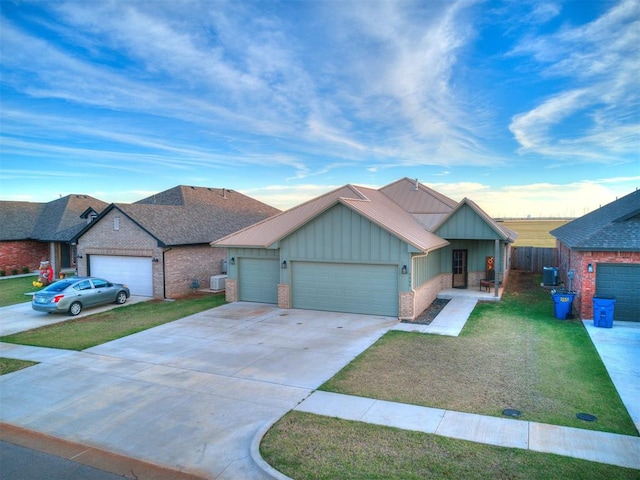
(217, 282)
(550, 276)
(603, 309)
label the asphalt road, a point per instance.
(20, 463)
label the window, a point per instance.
(116, 223)
(84, 285)
(99, 283)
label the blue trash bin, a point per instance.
(562, 304)
(603, 308)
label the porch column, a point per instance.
(497, 265)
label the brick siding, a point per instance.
(23, 253)
(231, 290)
(284, 298)
(584, 283)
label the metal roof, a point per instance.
(399, 208)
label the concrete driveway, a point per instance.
(21, 317)
(190, 395)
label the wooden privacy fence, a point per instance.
(533, 259)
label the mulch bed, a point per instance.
(426, 317)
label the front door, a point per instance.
(459, 269)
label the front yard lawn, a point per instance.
(511, 354)
(12, 290)
(92, 330)
(312, 447)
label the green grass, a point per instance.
(12, 290)
(8, 365)
(92, 330)
(511, 354)
(305, 446)
(534, 233)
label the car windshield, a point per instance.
(58, 286)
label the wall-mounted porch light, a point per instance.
(284, 264)
(404, 269)
(155, 259)
(232, 261)
(590, 268)
(79, 256)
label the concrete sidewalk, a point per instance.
(609, 448)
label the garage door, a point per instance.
(135, 272)
(351, 288)
(258, 279)
(623, 282)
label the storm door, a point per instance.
(459, 269)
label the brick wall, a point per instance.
(284, 298)
(22, 253)
(584, 282)
(183, 265)
(426, 293)
(231, 290)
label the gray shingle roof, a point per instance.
(56, 221)
(187, 215)
(614, 227)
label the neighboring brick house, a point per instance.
(32, 232)
(602, 248)
(159, 246)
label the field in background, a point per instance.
(534, 233)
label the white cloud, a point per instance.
(601, 98)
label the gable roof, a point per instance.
(399, 208)
(187, 215)
(503, 233)
(613, 227)
(56, 221)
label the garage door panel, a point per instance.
(135, 272)
(258, 279)
(351, 288)
(621, 281)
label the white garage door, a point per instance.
(134, 272)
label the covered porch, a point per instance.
(473, 293)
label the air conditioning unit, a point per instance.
(217, 282)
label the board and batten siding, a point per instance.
(466, 224)
(342, 235)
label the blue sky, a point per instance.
(527, 108)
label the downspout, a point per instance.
(164, 276)
(413, 276)
(497, 263)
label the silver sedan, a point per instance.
(71, 295)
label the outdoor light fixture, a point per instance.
(284, 264)
(590, 268)
(232, 261)
(404, 269)
(155, 259)
(80, 256)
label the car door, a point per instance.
(104, 292)
(85, 293)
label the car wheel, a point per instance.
(75, 308)
(121, 298)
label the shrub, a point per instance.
(14, 271)
(25, 270)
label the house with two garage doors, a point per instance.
(385, 251)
